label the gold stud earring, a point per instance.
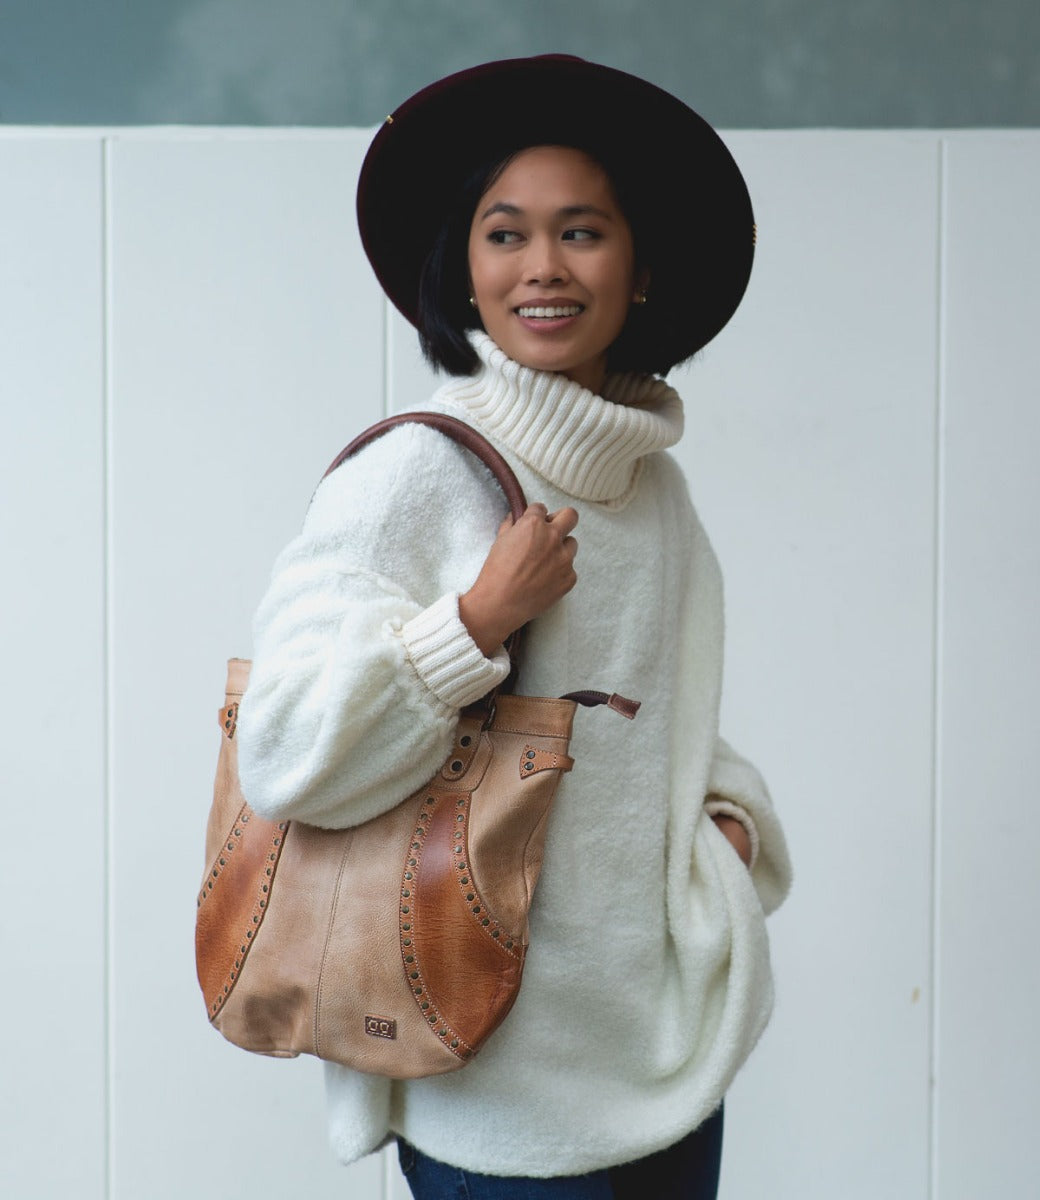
(473, 302)
(639, 297)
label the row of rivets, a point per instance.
(479, 910)
(412, 970)
(243, 819)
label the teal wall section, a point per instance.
(743, 63)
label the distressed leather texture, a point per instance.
(397, 946)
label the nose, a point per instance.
(545, 262)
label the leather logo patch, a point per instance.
(382, 1027)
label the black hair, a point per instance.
(647, 344)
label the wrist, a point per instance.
(479, 620)
(735, 833)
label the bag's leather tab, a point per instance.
(619, 704)
(228, 718)
(533, 760)
(467, 742)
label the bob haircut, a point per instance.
(655, 336)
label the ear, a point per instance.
(641, 284)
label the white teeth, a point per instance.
(568, 310)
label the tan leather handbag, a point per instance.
(396, 946)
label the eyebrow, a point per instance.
(569, 210)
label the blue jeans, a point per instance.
(689, 1170)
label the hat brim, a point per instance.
(426, 150)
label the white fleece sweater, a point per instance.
(648, 978)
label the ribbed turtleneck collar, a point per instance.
(589, 446)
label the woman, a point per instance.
(561, 233)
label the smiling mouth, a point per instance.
(550, 312)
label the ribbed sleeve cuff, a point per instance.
(714, 805)
(447, 659)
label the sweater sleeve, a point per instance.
(737, 789)
(361, 662)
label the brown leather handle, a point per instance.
(458, 431)
(477, 444)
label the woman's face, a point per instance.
(551, 263)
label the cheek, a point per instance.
(475, 263)
(622, 286)
(481, 276)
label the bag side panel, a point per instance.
(368, 1017)
(271, 1009)
(510, 808)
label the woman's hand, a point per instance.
(737, 836)
(529, 567)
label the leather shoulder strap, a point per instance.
(477, 444)
(458, 431)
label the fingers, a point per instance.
(564, 520)
(561, 523)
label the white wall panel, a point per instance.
(246, 350)
(52, 709)
(989, 1050)
(245, 344)
(410, 379)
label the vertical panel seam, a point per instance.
(938, 627)
(108, 724)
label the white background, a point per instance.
(189, 332)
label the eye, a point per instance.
(503, 237)
(581, 235)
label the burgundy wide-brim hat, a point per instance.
(692, 195)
